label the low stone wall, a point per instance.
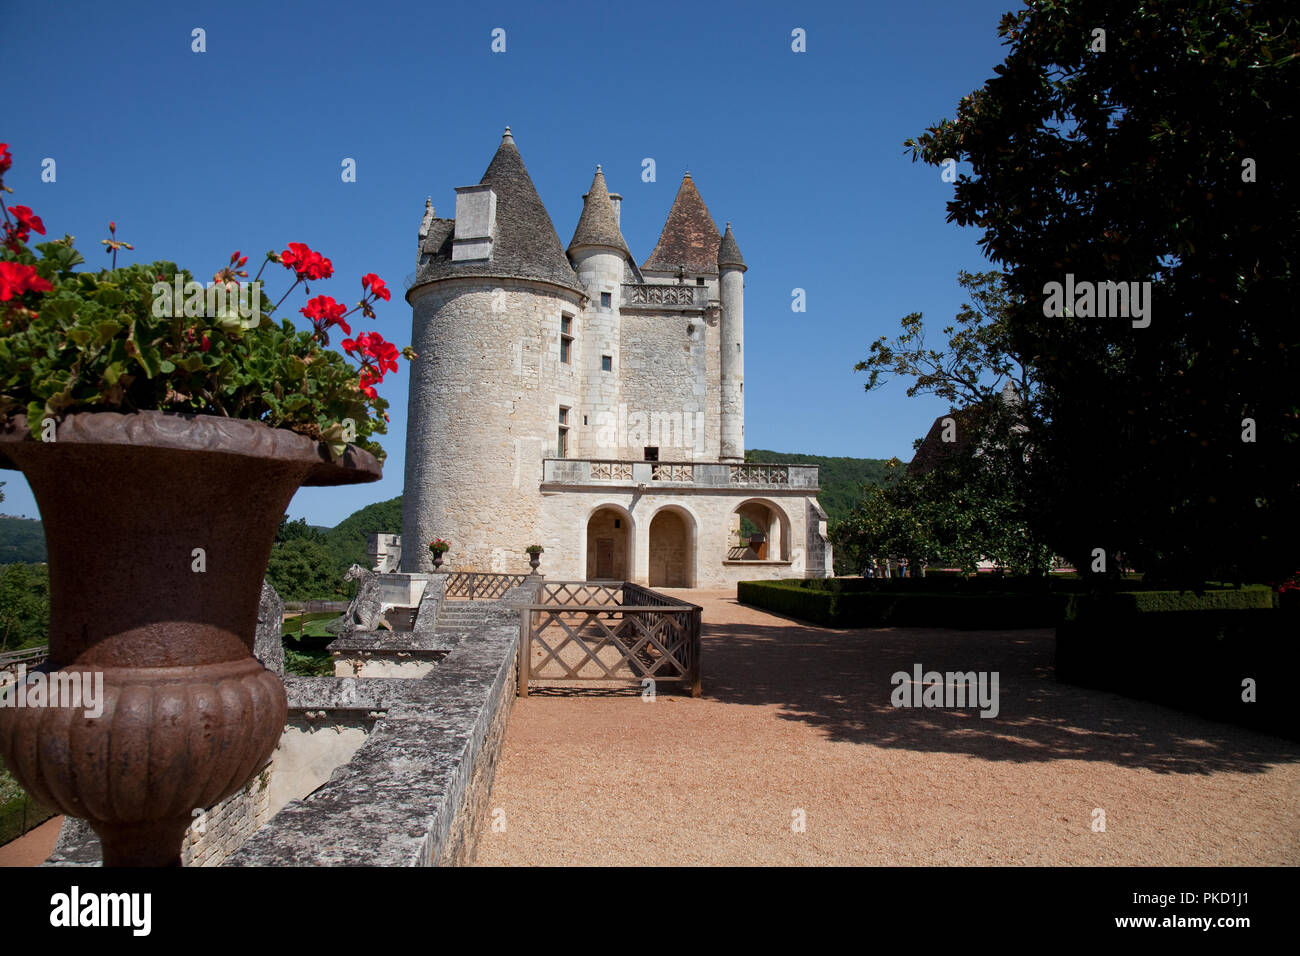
(376, 772)
(415, 793)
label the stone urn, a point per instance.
(158, 527)
(437, 560)
(534, 559)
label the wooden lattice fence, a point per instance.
(609, 631)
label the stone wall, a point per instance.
(665, 387)
(220, 831)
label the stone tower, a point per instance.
(487, 299)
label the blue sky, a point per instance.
(198, 154)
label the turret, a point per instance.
(600, 256)
(731, 342)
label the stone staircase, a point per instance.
(462, 616)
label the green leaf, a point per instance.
(106, 329)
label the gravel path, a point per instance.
(798, 718)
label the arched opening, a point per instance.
(760, 532)
(672, 549)
(609, 545)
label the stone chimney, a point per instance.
(476, 220)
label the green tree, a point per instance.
(303, 569)
(1148, 154)
(24, 606)
(971, 505)
(292, 530)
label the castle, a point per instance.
(578, 401)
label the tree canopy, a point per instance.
(1142, 143)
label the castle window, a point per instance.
(566, 339)
(562, 438)
(651, 452)
(606, 300)
(607, 363)
(699, 281)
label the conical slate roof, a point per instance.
(598, 226)
(729, 252)
(525, 245)
(689, 239)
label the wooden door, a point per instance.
(604, 559)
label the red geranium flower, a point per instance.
(306, 263)
(369, 378)
(376, 285)
(17, 278)
(372, 346)
(6, 160)
(324, 312)
(27, 221)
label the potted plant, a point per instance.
(163, 440)
(439, 547)
(534, 552)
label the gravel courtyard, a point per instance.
(797, 718)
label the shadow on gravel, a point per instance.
(839, 681)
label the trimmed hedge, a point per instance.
(853, 606)
(1193, 660)
(983, 605)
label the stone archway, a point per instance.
(771, 525)
(609, 545)
(672, 549)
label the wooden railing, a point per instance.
(603, 630)
(482, 585)
(32, 657)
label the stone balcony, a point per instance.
(603, 473)
(653, 297)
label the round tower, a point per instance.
(731, 344)
(490, 290)
(599, 256)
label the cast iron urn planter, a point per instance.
(158, 527)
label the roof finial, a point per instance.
(507, 136)
(598, 167)
(428, 202)
(688, 174)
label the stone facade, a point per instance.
(528, 352)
